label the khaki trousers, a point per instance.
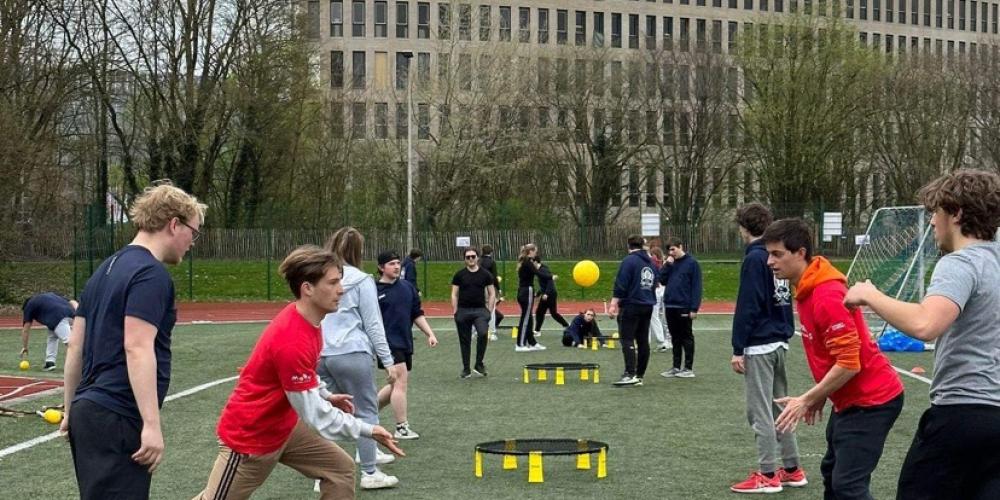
(237, 475)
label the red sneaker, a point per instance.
(757, 482)
(795, 479)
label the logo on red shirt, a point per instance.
(301, 378)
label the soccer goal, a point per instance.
(897, 254)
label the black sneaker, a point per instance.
(479, 370)
(466, 374)
(49, 366)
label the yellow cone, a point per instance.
(479, 464)
(527, 376)
(602, 464)
(594, 344)
(509, 461)
(583, 459)
(597, 376)
(513, 333)
(535, 468)
(584, 374)
(543, 375)
(560, 376)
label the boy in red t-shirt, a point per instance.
(866, 392)
(279, 410)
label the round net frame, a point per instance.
(542, 445)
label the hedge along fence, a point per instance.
(566, 243)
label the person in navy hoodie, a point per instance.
(633, 295)
(400, 306)
(681, 275)
(409, 267)
(762, 325)
(583, 325)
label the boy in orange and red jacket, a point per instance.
(866, 392)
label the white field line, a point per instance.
(10, 450)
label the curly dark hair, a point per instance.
(974, 193)
(754, 217)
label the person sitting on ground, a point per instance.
(583, 326)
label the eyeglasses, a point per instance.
(195, 234)
(471, 257)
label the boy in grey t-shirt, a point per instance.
(955, 451)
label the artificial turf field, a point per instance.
(670, 439)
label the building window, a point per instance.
(876, 10)
(337, 18)
(358, 119)
(951, 14)
(598, 29)
(616, 30)
(505, 24)
(423, 20)
(523, 24)
(939, 13)
(402, 20)
(543, 26)
(381, 120)
(684, 82)
(313, 18)
(444, 114)
(423, 121)
(562, 27)
(381, 19)
(444, 21)
(581, 28)
(961, 15)
(734, 4)
(717, 37)
(402, 70)
(651, 32)
(863, 10)
(685, 34)
(731, 39)
(336, 69)
(633, 31)
(444, 69)
(402, 125)
(465, 71)
(358, 70)
(850, 9)
(668, 33)
(357, 18)
(484, 23)
(465, 22)
(424, 69)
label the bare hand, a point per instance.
(814, 414)
(24, 353)
(385, 438)
(857, 295)
(344, 402)
(64, 426)
(150, 451)
(795, 410)
(613, 309)
(693, 314)
(545, 297)
(738, 366)
(432, 341)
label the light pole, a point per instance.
(409, 152)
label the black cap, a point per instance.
(387, 256)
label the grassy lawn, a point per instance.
(221, 280)
(675, 439)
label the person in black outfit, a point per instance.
(527, 268)
(547, 298)
(633, 292)
(584, 325)
(409, 267)
(472, 297)
(486, 262)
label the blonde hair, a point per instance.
(523, 256)
(348, 244)
(160, 203)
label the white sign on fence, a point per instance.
(833, 225)
(463, 241)
(650, 224)
(860, 239)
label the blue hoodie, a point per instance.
(763, 304)
(682, 280)
(635, 281)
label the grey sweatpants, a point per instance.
(765, 381)
(354, 374)
(57, 336)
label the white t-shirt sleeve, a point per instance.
(328, 420)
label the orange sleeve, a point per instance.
(840, 334)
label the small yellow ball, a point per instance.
(25, 365)
(52, 416)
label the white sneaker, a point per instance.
(523, 348)
(685, 373)
(663, 347)
(538, 333)
(381, 458)
(403, 432)
(538, 347)
(377, 480)
(627, 380)
(671, 373)
(316, 486)
(493, 336)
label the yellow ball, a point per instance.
(24, 365)
(500, 279)
(52, 416)
(586, 273)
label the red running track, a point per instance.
(188, 312)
